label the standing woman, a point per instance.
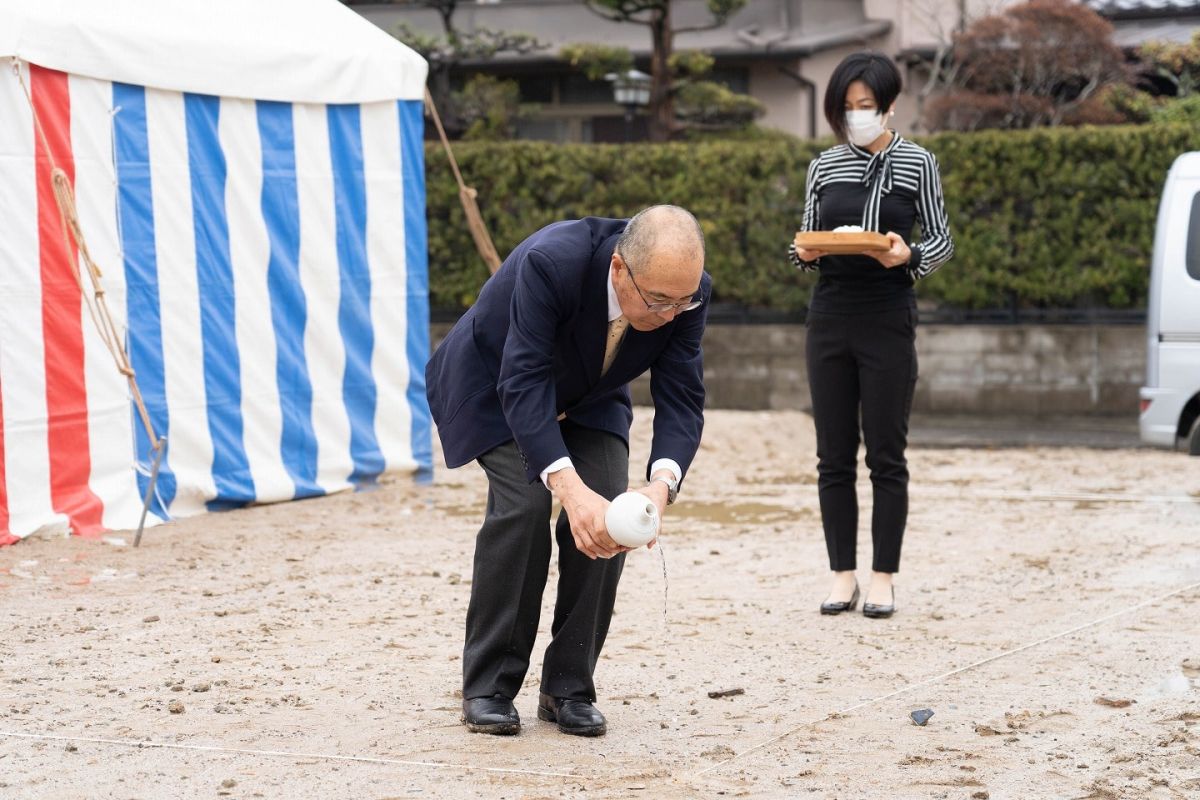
(862, 317)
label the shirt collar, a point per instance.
(614, 305)
(867, 154)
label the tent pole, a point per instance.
(466, 195)
(160, 448)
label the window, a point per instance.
(736, 79)
(1192, 255)
(577, 88)
(542, 129)
(613, 129)
(536, 88)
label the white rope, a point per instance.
(944, 676)
(1007, 495)
(1051, 496)
(711, 768)
(288, 754)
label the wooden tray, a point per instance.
(843, 243)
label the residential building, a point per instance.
(781, 52)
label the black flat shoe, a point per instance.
(877, 611)
(495, 715)
(837, 608)
(576, 717)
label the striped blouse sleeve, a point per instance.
(812, 215)
(936, 246)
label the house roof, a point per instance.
(1128, 9)
(1133, 33)
(762, 29)
(771, 43)
(1138, 21)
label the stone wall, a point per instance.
(964, 369)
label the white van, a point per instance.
(1170, 400)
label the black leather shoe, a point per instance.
(837, 608)
(877, 611)
(496, 715)
(576, 717)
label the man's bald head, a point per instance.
(666, 236)
(658, 261)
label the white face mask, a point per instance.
(864, 126)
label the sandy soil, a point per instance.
(328, 630)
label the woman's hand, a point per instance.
(799, 255)
(804, 254)
(897, 256)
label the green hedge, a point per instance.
(1048, 218)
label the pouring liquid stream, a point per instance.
(662, 558)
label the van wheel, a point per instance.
(1194, 440)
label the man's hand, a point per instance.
(657, 492)
(585, 509)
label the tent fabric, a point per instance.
(297, 51)
(267, 261)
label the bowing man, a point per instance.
(533, 383)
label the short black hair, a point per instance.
(876, 70)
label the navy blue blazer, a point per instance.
(531, 348)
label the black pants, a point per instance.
(862, 364)
(512, 560)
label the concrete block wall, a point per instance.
(1030, 369)
(1037, 370)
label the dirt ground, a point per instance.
(312, 649)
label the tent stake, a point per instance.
(160, 447)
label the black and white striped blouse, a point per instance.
(886, 191)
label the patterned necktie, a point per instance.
(616, 332)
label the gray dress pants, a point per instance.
(512, 561)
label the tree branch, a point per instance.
(620, 16)
(695, 28)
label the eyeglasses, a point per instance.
(658, 308)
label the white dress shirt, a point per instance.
(669, 464)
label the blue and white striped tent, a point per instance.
(250, 178)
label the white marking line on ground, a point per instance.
(1043, 496)
(944, 676)
(512, 771)
(288, 754)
